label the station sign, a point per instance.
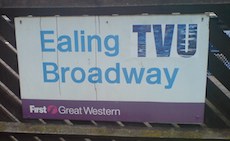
(138, 68)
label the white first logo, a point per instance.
(40, 110)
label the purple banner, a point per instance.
(156, 112)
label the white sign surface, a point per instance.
(151, 58)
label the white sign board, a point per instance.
(127, 68)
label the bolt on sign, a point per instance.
(138, 68)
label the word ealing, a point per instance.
(116, 74)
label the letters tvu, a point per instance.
(186, 39)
